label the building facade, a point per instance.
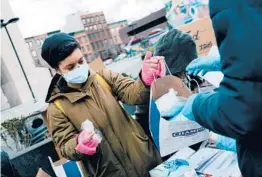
(14, 88)
(96, 28)
(83, 40)
(114, 28)
(34, 45)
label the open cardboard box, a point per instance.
(67, 168)
(42, 173)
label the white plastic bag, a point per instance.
(170, 104)
(88, 125)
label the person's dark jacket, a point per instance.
(6, 166)
(235, 110)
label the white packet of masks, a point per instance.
(88, 126)
(170, 104)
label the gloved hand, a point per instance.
(87, 143)
(187, 111)
(226, 143)
(152, 67)
(204, 65)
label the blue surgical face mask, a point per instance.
(79, 75)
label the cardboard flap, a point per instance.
(42, 173)
(162, 85)
(60, 162)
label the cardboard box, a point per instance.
(42, 173)
(203, 34)
(67, 168)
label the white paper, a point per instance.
(201, 156)
(214, 77)
(178, 133)
(218, 163)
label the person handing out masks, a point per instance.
(234, 110)
(85, 118)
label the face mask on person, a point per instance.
(77, 76)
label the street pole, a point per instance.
(19, 61)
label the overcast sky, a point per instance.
(41, 16)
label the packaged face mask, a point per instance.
(170, 104)
(88, 125)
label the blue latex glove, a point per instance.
(204, 65)
(173, 165)
(187, 110)
(226, 143)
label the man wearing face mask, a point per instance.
(125, 150)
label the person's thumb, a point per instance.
(148, 55)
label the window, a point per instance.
(83, 49)
(105, 41)
(95, 27)
(93, 46)
(100, 44)
(105, 25)
(30, 44)
(38, 42)
(112, 30)
(88, 47)
(96, 45)
(89, 36)
(86, 28)
(101, 34)
(108, 33)
(92, 20)
(85, 39)
(87, 20)
(102, 17)
(34, 54)
(97, 18)
(98, 35)
(94, 37)
(84, 21)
